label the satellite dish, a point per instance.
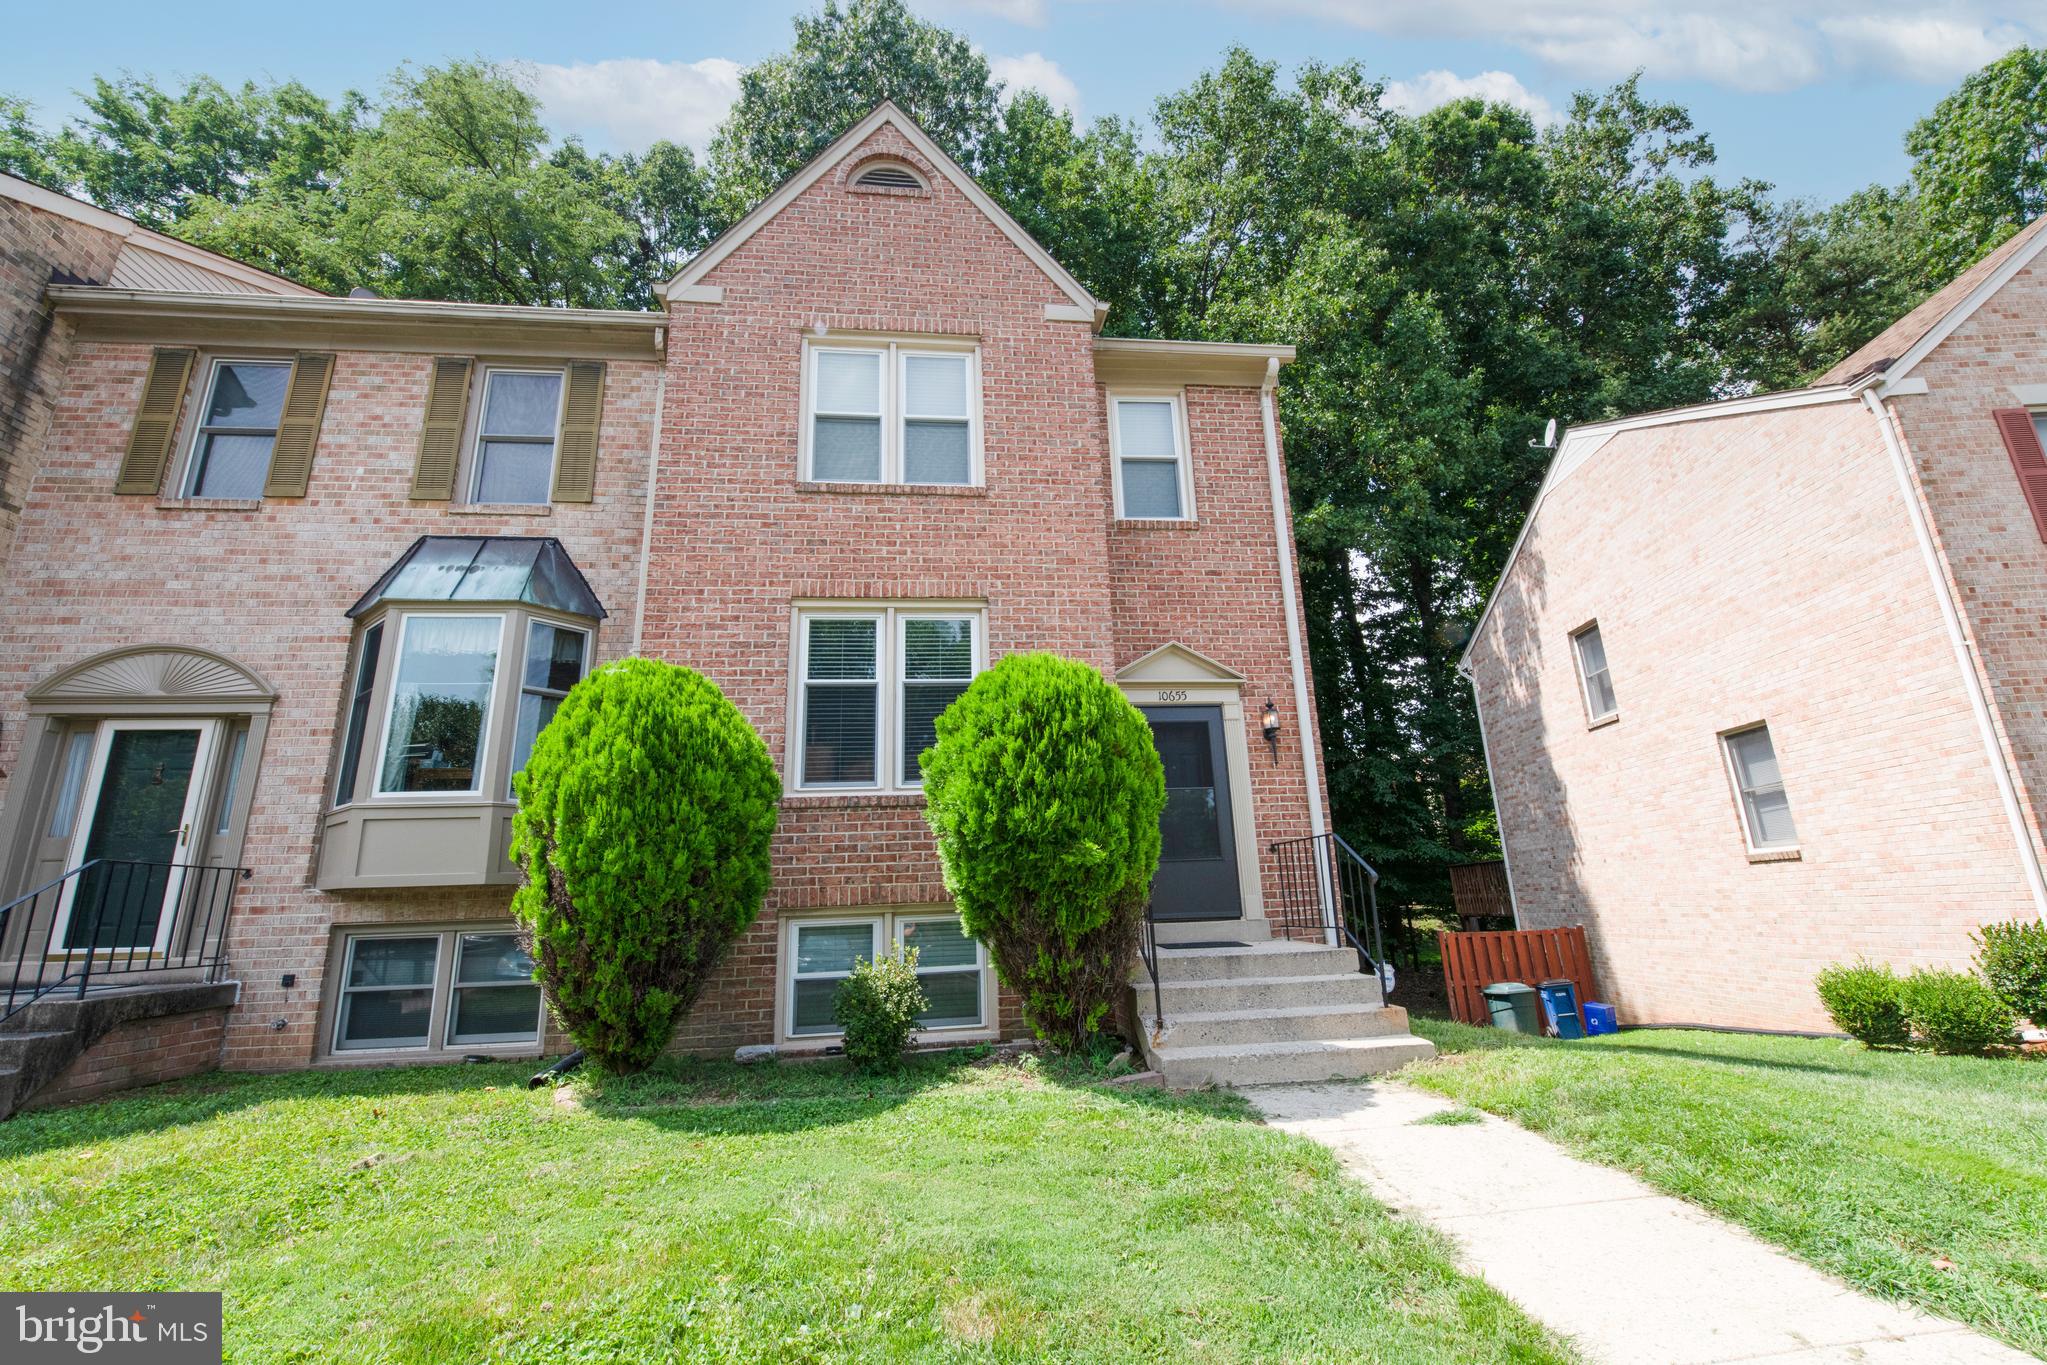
(1549, 437)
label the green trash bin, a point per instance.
(1514, 1006)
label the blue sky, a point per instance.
(1812, 95)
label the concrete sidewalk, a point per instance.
(1630, 1275)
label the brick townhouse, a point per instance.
(1764, 685)
(295, 580)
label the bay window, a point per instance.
(892, 412)
(871, 683)
(818, 954)
(440, 703)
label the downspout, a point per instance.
(1283, 541)
(1972, 682)
(1485, 747)
(647, 520)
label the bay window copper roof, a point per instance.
(535, 570)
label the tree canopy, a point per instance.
(1452, 279)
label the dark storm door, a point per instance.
(1197, 877)
(139, 820)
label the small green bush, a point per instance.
(1865, 1002)
(1955, 1012)
(1044, 790)
(643, 826)
(2014, 962)
(877, 1008)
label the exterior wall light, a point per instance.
(1271, 723)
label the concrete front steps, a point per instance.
(1268, 1012)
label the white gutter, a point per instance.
(647, 520)
(1485, 747)
(1972, 682)
(1283, 541)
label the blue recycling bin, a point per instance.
(1599, 1019)
(1560, 1008)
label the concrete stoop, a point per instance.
(1270, 1012)
(41, 1040)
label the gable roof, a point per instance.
(1903, 344)
(151, 260)
(885, 113)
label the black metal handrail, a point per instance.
(115, 918)
(1326, 889)
(1148, 949)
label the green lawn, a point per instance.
(705, 1212)
(1917, 1177)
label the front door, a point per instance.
(1197, 877)
(139, 817)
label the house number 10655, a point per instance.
(1173, 694)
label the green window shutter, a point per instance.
(156, 421)
(440, 440)
(298, 428)
(575, 459)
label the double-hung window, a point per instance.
(1153, 473)
(1759, 784)
(237, 429)
(1600, 701)
(555, 659)
(516, 432)
(435, 989)
(819, 954)
(892, 413)
(871, 683)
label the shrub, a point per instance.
(1955, 1012)
(877, 1008)
(1044, 790)
(1865, 1002)
(643, 826)
(2014, 962)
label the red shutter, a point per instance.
(2028, 461)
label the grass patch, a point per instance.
(967, 1209)
(1450, 1118)
(1915, 1177)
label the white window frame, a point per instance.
(456, 987)
(885, 927)
(481, 791)
(477, 436)
(1183, 455)
(890, 666)
(188, 479)
(902, 922)
(521, 688)
(441, 1009)
(1742, 794)
(1593, 716)
(894, 352)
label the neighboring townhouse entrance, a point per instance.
(137, 818)
(1198, 876)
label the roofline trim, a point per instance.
(815, 169)
(1597, 434)
(1952, 320)
(87, 298)
(127, 229)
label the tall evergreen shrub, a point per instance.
(1044, 790)
(643, 826)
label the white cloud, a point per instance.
(1433, 89)
(1030, 13)
(1036, 71)
(1736, 43)
(630, 103)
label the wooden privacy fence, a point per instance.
(1480, 890)
(1471, 962)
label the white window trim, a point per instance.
(1182, 447)
(1741, 799)
(454, 995)
(520, 687)
(440, 1012)
(893, 353)
(890, 670)
(886, 928)
(1593, 716)
(188, 477)
(474, 482)
(479, 792)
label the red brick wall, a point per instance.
(142, 1052)
(91, 571)
(1742, 569)
(35, 345)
